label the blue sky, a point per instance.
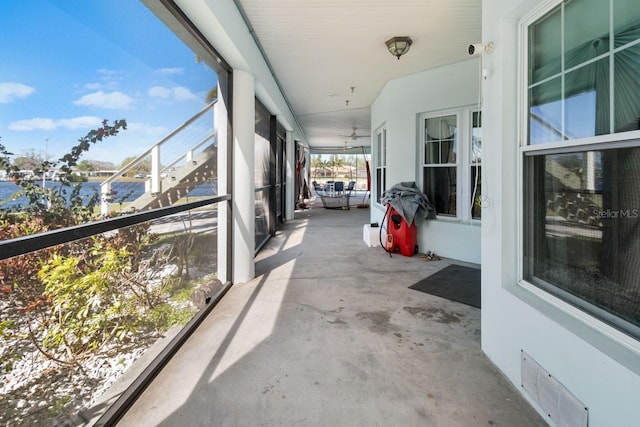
(65, 65)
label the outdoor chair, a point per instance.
(335, 196)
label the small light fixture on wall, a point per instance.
(398, 46)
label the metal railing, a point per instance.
(154, 181)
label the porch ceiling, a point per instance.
(320, 49)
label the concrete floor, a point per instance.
(329, 334)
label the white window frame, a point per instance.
(380, 150)
(464, 121)
(610, 140)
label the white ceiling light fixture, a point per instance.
(399, 45)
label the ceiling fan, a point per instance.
(354, 136)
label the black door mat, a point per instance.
(454, 282)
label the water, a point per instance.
(88, 189)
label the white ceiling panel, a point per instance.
(321, 49)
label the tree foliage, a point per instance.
(142, 167)
(85, 165)
(61, 206)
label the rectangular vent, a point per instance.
(561, 406)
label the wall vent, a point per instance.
(563, 409)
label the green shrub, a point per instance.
(164, 316)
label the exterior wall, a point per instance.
(599, 365)
(398, 107)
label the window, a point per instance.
(581, 157)
(452, 151)
(440, 177)
(121, 280)
(381, 162)
(476, 165)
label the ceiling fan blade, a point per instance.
(354, 136)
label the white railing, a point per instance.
(153, 184)
(187, 157)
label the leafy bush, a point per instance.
(100, 293)
(76, 298)
(164, 316)
(51, 204)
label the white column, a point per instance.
(244, 110)
(291, 177)
(105, 190)
(220, 126)
(155, 170)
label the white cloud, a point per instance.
(183, 94)
(33, 124)
(112, 100)
(93, 86)
(110, 73)
(143, 128)
(80, 122)
(170, 71)
(179, 93)
(12, 91)
(159, 92)
(40, 123)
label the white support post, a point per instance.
(220, 127)
(105, 192)
(155, 170)
(244, 110)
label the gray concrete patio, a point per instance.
(329, 334)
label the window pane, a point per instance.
(262, 222)
(104, 60)
(97, 305)
(583, 237)
(586, 100)
(380, 183)
(448, 127)
(432, 129)
(545, 113)
(584, 38)
(476, 138)
(440, 187)
(448, 151)
(626, 21)
(384, 148)
(432, 152)
(627, 88)
(544, 47)
(476, 191)
(441, 137)
(262, 150)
